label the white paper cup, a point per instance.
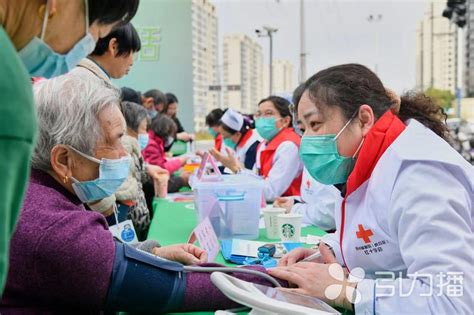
(271, 225)
(289, 227)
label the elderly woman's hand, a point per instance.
(186, 254)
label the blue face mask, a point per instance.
(212, 132)
(42, 61)
(143, 139)
(323, 161)
(229, 143)
(266, 127)
(152, 113)
(112, 174)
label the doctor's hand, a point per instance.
(313, 279)
(228, 161)
(296, 255)
(286, 203)
(186, 254)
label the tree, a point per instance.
(443, 98)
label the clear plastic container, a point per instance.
(232, 205)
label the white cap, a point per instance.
(233, 120)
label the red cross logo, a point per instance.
(308, 184)
(364, 234)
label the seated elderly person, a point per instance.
(63, 258)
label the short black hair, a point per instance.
(214, 117)
(158, 96)
(133, 114)
(163, 126)
(127, 38)
(130, 95)
(111, 11)
(281, 104)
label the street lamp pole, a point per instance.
(376, 19)
(268, 33)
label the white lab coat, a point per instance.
(318, 203)
(418, 204)
(285, 168)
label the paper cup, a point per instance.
(161, 186)
(289, 227)
(270, 217)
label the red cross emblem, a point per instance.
(308, 184)
(364, 234)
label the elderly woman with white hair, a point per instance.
(63, 257)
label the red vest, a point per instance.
(266, 158)
(218, 142)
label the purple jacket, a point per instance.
(61, 255)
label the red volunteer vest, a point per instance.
(218, 142)
(384, 132)
(266, 158)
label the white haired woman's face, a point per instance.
(108, 146)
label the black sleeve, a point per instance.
(178, 125)
(251, 156)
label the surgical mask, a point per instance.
(143, 139)
(152, 113)
(42, 61)
(229, 143)
(169, 141)
(322, 159)
(112, 174)
(266, 127)
(212, 132)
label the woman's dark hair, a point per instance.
(158, 96)
(111, 11)
(134, 114)
(130, 95)
(281, 105)
(127, 38)
(248, 124)
(351, 85)
(214, 117)
(297, 93)
(163, 126)
(170, 99)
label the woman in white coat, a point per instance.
(407, 215)
(317, 203)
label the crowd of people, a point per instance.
(83, 158)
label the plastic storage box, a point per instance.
(232, 205)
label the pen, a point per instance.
(313, 256)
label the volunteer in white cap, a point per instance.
(240, 137)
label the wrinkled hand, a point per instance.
(186, 254)
(299, 254)
(156, 172)
(313, 279)
(286, 203)
(229, 161)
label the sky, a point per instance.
(337, 31)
